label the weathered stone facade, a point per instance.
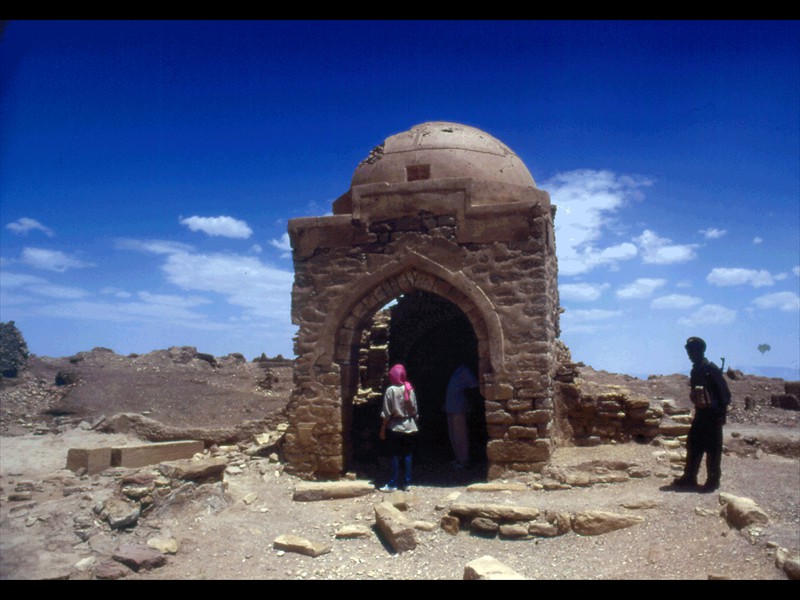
(447, 210)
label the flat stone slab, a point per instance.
(331, 490)
(597, 522)
(195, 470)
(496, 512)
(151, 454)
(497, 486)
(347, 532)
(294, 543)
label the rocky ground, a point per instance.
(153, 523)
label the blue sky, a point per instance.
(148, 171)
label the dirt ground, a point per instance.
(227, 530)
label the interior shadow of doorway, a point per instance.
(431, 337)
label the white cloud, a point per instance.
(284, 245)
(678, 301)
(726, 277)
(243, 280)
(172, 300)
(117, 292)
(641, 288)
(25, 224)
(51, 260)
(38, 286)
(125, 312)
(785, 301)
(796, 270)
(712, 233)
(263, 291)
(581, 292)
(219, 226)
(588, 321)
(757, 240)
(661, 251)
(153, 246)
(256, 249)
(593, 314)
(586, 200)
(710, 314)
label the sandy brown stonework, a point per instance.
(446, 210)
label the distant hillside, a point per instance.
(787, 373)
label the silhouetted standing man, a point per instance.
(711, 397)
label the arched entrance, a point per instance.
(431, 336)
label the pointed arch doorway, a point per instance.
(431, 336)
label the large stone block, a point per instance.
(328, 490)
(515, 451)
(532, 417)
(495, 512)
(140, 456)
(94, 460)
(394, 527)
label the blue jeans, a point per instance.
(401, 450)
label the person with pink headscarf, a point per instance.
(399, 426)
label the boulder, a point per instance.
(514, 531)
(121, 513)
(741, 512)
(543, 529)
(110, 569)
(489, 568)
(788, 563)
(483, 526)
(450, 524)
(164, 545)
(138, 557)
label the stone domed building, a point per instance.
(445, 224)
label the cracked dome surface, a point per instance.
(442, 150)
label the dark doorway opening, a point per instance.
(431, 337)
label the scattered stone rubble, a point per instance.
(142, 493)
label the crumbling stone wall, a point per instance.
(13, 350)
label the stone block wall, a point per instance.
(611, 416)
